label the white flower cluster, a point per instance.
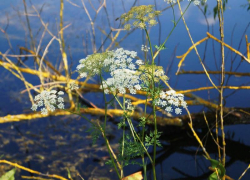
(171, 100)
(93, 64)
(144, 48)
(49, 99)
(123, 72)
(145, 72)
(196, 2)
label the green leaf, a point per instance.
(9, 175)
(205, 9)
(217, 165)
(213, 176)
(69, 175)
(215, 11)
(159, 48)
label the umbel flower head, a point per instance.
(123, 72)
(121, 67)
(93, 64)
(145, 72)
(50, 100)
(170, 101)
(139, 17)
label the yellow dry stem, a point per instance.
(211, 87)
(32, 171)
(188, 51)
(212, 37)
(94, 111)
(229, 47)
(247, 44)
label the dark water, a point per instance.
(54, 144)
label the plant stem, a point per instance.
(104, 131)
(162, 45)
(153, 102)
(142, 138)
(221, 20)
(123, 136)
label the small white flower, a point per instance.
(61, 106)
(178, 111)
(137, 87)
(176, 103)
(53, 92)
(106, 91)
(169, 109)
(144, 48)
(52, 101)
(132, 91)
(162, 95)
(60, 99)
(60, 93)
(82, 60)
(122, 90)
(44, 111)
(171, 101)
(139, 62)
(83, 74)
(37, 97)
(131, 66)
(196, 2)
(52, 108)
(183, 104)
(34, 107)
(164, 103)
(40, 103)
(80, 66)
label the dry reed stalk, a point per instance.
(221, 21)
(32, 171)
(197, 53)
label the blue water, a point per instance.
(76, 35)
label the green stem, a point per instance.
(162, 45)
(134, 134)
(153, 99)
(104, 130)
(151, 49)
(123, 137)
(143, 132)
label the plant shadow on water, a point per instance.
(62, 144)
